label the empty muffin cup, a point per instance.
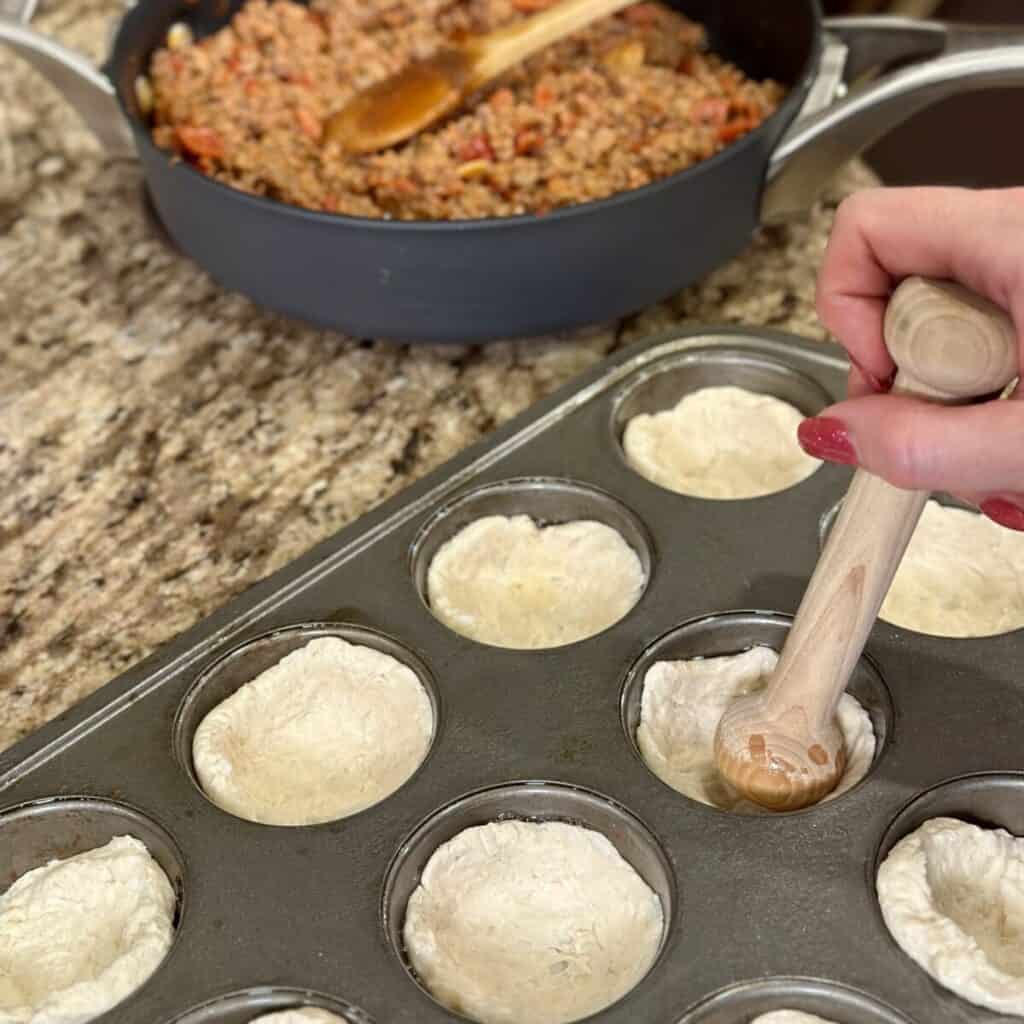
(717, 423)
(495, 829)
(532, 563)
(962, 575)
(836, 1004)
(307, 724)
(256, 1003)
(82, 936)
(730, 653)
(948, 883)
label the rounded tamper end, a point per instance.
(948, 342)
(778, 762)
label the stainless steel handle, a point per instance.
(85, 87)
(18, 10)
(951, 59)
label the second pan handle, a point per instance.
(79, 81)
(938, 60)
(18, 10)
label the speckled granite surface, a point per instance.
(164, 445)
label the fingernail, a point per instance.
(1004, 512)
(827, 438)
(876, 383)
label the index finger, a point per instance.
(883, 235)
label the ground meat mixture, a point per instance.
(632, 99)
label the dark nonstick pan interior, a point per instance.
(482, 279)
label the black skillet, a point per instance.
(480, 280)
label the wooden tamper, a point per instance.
(782, 748)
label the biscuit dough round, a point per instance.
(962, 576)
(331, 729)
(682, 704)
(506, 581)
(789, 1017)
(79, 935)
(720, 442)
(952, 895)
(520, 922)
(302, 1015)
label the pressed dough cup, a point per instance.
(546, 502)
(532, 802)
(34, 834)
(245, 663)
(660, 391)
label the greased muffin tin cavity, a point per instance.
(761, 912)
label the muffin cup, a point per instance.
(244, 663)
(525, 801)
(730, 633)
(243, 1007)
(745, 1002)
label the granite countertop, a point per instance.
(164, 444)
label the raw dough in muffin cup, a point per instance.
(962, 576)
(518, 922)
(952, 896)
(509, 582)
(329, 730)
(682, 703)
(81, 934)
(721, 442)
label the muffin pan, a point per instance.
(762, 912)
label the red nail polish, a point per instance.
(827, 438)
(1005, 513)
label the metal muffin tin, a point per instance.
(762, 911)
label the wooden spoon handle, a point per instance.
(950, 346)
(498, 51)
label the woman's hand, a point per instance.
(881, 236)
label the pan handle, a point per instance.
(927, 61)
(18, 10)
(83, 85)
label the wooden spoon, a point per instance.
(425, 91)
(782, 748)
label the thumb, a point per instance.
(975, 450)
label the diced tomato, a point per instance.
(528, 140)
(309, 124)
(734, 129)
(403, 186)
(529, 6)
(201, 142)
(711, 110)
(543, 96)
(477, 148)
